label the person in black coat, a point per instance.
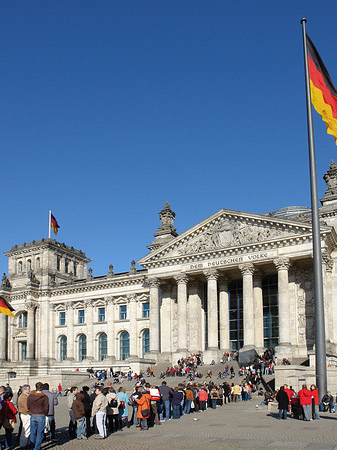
(283, 403)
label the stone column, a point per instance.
(154, 284)
(133, 326)
(45, 330)
(195, 318)
(327, 266)
(182, 280)
(258, 313)
(166, 328)
(224, 313)
(70, 331)
(212, 276)
(111, 327)
(3, 337)
(247, 271)
(89, 319)
(282, 265)
(30, 330)
(52, 344)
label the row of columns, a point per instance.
(252, 308)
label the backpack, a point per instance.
(112, 403)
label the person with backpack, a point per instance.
(123, 407)
(113, 410)
(144, 408)
(79, 414)
(8, 417)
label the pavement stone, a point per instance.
(235, 426)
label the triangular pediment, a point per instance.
(229, 230)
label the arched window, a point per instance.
(146, 342)
(38, 263)
(20, 266)
(58, 263)
(22, 320)
(29, 264)
(82, 347)
(124, 341)
(102, 346)
(63, 348)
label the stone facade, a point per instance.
(234, 281)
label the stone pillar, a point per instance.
(258, 313)
(182, 280)
(166, 327)
(212, 276)
(327, 266)
(283, 350)
(70, 332)
(195, 317)
(30, 330)
(89, 319)
(45, 329)
(154, 284)
(3, 337)
(247, 271)
(52, 345)
(224, 314)
(133, 326)
(111, 328)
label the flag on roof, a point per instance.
(53, 223)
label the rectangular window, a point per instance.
(62, 318)
(146, 309)
(122, 312)
(81, 316)
(101, 314)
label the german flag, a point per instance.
(323, 92)
(53, 222)
(5, 307)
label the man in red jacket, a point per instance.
(305, 401)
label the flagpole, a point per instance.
(320, 344)
(49, 224)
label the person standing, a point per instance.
(177, 397)
(305, 401)
(24, 415)
(188, 399)
(283, 403)
(123, 407)
(72, 422)
(79, 414)
(112, 410)
(165, 393)
(8, 417)
(38, 405)
(143, 408)
(51, 412)
(314, 402)
(59, 390)
(99, 408)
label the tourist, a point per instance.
(8, 417)
(203, 397)
(155, 403)
(99, 408)
(305, 401)
(165, 393)
(51, 413)
(24, 436)
(72, 422)
(214, 394)
(79, 415)
(38, 406)
(123, 407)
(112, 410)
(283, 403)
(176, 400)
(87, 409)
(143, 412)
(236, 392)
(314, 402)
(189, 397)
(327, 403)
(59, 390)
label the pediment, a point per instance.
(228, 231)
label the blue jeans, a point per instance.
(166, 405)
(37, 424)
(187, 407)
(306, 412)
(282, 413)
(81, 428)
(176, 411)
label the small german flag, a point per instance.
(323, 92)
(53, 223)
(5, 307)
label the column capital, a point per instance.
(211, 274)
(69, 305)
(282, 263)
(327, 260)
(224, 280)
(181, 278)
(247, 269)
(132, 298)
(30, 305)
(153, 282)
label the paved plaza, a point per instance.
(234, 426)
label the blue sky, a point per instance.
(110, 108)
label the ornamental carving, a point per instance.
(247, 269)
(233, 232)
(182, 278)
(211, 274)
(282, 263)
(153, 282)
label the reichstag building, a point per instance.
(234, 281)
